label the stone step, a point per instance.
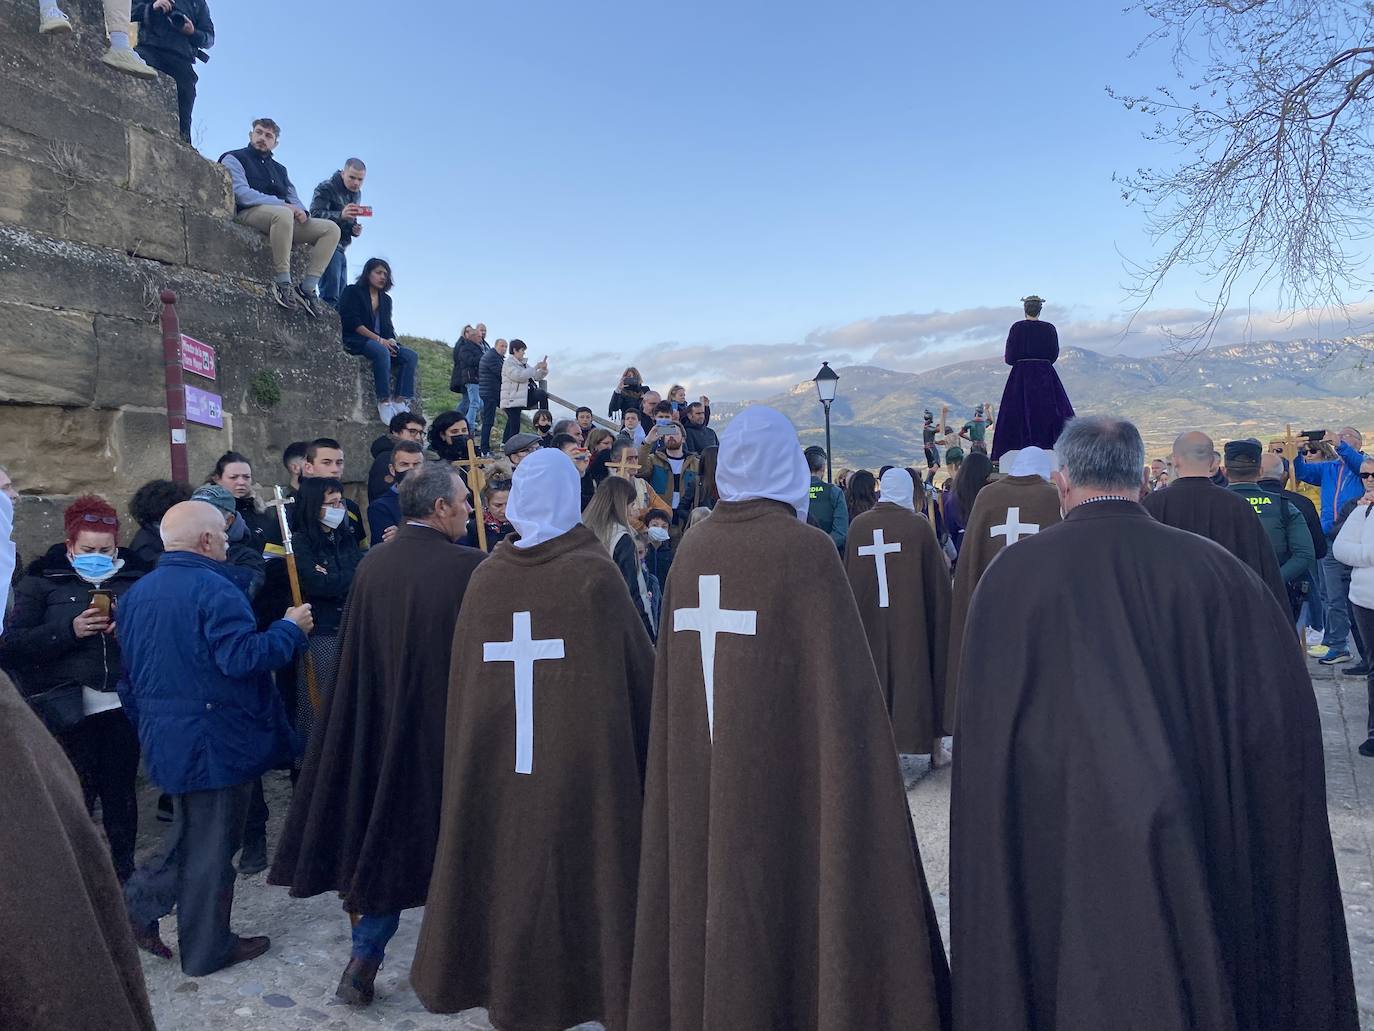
(49, 130)
(68, 66)
(49, 272)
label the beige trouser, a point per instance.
(278, 221)
(116, 15)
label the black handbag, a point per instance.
(60, 708)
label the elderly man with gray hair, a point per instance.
(364, 821)
(1117, 751)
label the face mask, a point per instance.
(333, 517)
(238, 531)
(397, 478)
(94, 568)
(658, 534)
(460, 442)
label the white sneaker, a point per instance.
(1314, 637)
(125, 60)
(384, 412)
(54, 21)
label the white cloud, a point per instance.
(917, 341)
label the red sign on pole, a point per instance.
(197, 357)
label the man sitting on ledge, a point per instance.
(266, 201)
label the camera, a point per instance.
(177, 19)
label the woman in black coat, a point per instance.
(60, 641)
(365, 315)
(327, 557)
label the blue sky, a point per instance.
(721, 193)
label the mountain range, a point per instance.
(1243, 390)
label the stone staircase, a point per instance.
(102, 206)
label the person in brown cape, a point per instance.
(1007, 510)
(900, 580)
(70, 960)
(365, 817)
(780, 885)
(531, 911)
(1193, 502)
(1129, 847)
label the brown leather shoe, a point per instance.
(355, 987)
(150, 940)
(248, 948)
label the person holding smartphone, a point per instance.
(339, 199)
(60, 640)
(518, 391)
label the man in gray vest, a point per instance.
(267, 201)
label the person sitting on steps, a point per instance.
(266, 201)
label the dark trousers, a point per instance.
(488, 417)
(104, 750)
(512, 423)
(184, 74)
(1364, 622)
(371, 934)
(255, 825)
(195, 874)
(536, 398)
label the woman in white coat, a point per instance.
(1354, 546)
(516, 377)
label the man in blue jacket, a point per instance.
(1339, 480)
(199, 691)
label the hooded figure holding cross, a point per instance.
(780, 886)
(531, 909)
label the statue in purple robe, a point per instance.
(1034, 406)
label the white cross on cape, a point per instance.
(709, 619)
(1013, 529)
(880, 549)
(524, 652)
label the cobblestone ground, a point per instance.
(292, 987)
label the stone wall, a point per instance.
(102, 206)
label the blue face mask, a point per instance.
(93, 567)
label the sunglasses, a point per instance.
(1363, 476)
(107, 520)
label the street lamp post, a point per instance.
(825, 381)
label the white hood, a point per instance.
(897, 489)
(760, 457)
(545, 497)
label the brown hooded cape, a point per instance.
(531, 911)
(780, 885)
(910, 636)
(365, 816)
(70, 961)
(1196, 504)
(1139, 835)
(1037, 504)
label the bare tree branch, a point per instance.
(1274, 121)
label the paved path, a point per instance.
(292, 987)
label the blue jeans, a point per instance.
(1336, 584)
(472, 407)
(335, 278)
(382, 365)
(372, 933)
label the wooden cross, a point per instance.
(627, 468)
(477, 480)
(279, 502)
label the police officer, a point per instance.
(828, 509)
(1283, 522)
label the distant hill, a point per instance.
(1238, 391)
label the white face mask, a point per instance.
(658, 534)
(333, 517)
